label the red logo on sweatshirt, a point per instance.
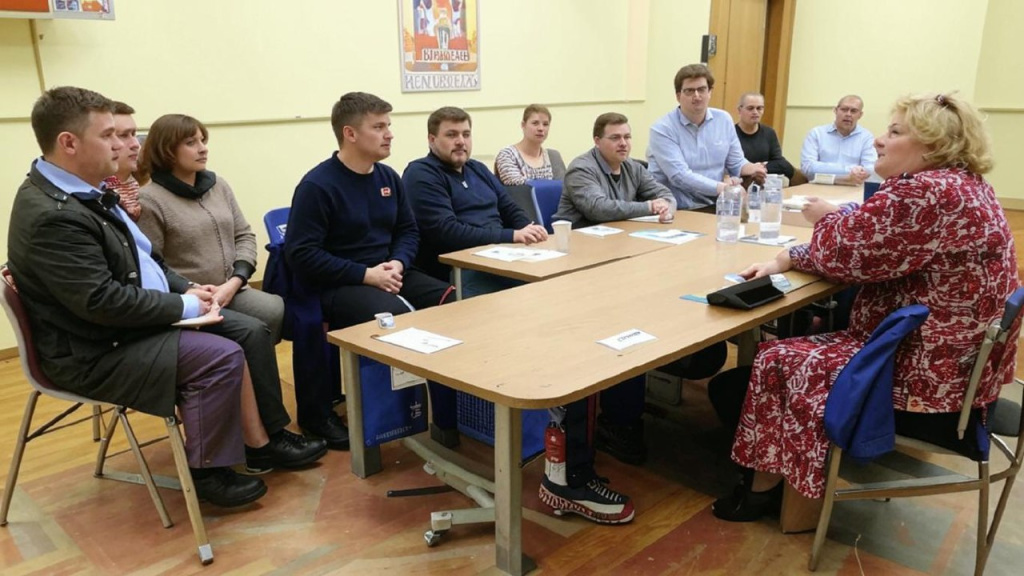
(385, 192)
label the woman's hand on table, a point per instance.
(816, 209)
(780, 264)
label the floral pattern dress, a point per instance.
(937, 238)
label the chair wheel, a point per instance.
(433, 537)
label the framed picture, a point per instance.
(440, 45)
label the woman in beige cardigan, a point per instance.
(191, 216)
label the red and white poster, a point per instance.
(440, 45)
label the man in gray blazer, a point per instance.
(605, 184)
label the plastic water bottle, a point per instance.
(771, 208)
(754, 204)
(727, 210)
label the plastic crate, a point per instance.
(476, 420)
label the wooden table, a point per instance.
(833, 194)
(535, 346)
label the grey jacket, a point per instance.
(590, 195)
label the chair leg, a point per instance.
(188, 489)
(97, 422)
(147, 477)
(101, 453)
(19, 451)
(835, 454)
(997, 517)
(981, 555)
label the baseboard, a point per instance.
(1011, 203)
(8, 353)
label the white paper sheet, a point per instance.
(624, 340)
(512, 254)
(670, 236)
(402, 379)
(419, 340)
(780, 241)
(599, 230)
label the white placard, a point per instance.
(402, 379)
(419, 340)
(624, 340)
(599, 230)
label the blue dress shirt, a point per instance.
(153, 277)
(826, 151)
(690, 159)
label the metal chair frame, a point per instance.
(41, 385)
(951, 483)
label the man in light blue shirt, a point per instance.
(842, 148)
(692, 147)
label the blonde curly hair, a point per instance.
(951, 129)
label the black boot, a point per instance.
(745, 505)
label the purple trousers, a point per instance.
(209, 384)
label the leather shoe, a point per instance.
(224, 487)
(285, 450)
(745, 505)
(332, 430)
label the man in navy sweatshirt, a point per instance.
(352, 238)
(460, 204)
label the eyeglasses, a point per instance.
(702, 90)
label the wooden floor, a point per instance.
(323, 520)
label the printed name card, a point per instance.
(626, 339)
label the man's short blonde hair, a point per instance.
(951, 129)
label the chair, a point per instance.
(923, 486)
(547, 193)
(525, 198)
(276, 222)
(41, 385)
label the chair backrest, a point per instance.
(547, 193)
(859, 413)
(18, 317)
(525, 198)
(276, 222)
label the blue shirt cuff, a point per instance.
(191, 306)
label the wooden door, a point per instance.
(754, 38)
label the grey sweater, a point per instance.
(591, 196)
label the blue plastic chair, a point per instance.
(547, 193)
(276, 222)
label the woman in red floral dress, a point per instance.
(933, 234)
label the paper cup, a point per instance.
(562, 228)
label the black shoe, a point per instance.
(332, 430)
(624, 442)
(745, 505)
(285, 450)
(224, 487)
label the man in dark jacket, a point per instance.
(101, 306)
(460, 204)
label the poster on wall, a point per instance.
(93, 9)
(39, 9)
(440, 45)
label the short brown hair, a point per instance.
(120, 108)
(606, 119)
(446, 114)
(535, 109)
(693, 71)
(350, 109)
(163, 138)
(951, 129)
(65, 109)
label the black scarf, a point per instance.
(205, 180)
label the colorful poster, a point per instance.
(98, 9)
(440, 45)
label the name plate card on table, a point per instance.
(627, 339)
(676, 237)
(599, 230)
(419, 340)
(511, 254)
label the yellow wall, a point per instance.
(880, 50)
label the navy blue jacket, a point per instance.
(458, 210)
(342, 223)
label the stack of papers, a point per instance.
(512, 254)
(599, 230)
(670, 236)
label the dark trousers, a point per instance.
(346, 306)
(209, 382)
(256, 341)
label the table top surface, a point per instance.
(535, 345)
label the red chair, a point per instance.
(41, 385)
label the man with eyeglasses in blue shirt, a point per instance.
(693, 147)
(841, 148)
